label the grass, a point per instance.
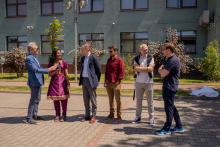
(79, 90)
(157, 80)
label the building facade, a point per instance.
(124, 23)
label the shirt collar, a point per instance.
(116, 57)
(88, 55)
(33, 55)
(143, 57)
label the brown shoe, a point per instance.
(85, 119)
(111, 115)
(92, 120)
(119, 117)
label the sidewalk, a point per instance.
(200, 119)
(124, 86)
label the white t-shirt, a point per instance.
(144, 77)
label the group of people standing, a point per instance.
(58, 90)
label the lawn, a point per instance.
(157, 80)
(79, 90)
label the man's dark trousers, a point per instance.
(34, 101)
(170, 109)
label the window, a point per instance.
(93, 6)
(45, 46)
(130, 42)
(16, 8)
(97, 40)
(181, 3)
(16, 42)
(189, 40)
(49, 7)
(134, 4)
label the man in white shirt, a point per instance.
(144, 66)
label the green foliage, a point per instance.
(14, 61)
(159, 58)
(54, 32)
(128, 67)
(210, 65)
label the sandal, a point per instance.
(57, 118)
(63, 119)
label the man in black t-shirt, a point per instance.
(170, 72)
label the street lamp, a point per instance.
(82, 5)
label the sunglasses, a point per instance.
(110, 51)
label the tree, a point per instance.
(54, 32)
(128, 67)
(159, 58)
(14, 61)
(210, 65)
(93, 51)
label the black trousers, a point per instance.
(170, 109)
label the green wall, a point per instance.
(155, 21)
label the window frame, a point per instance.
(16, 9)
(52, 8)
(182, 6)
(91, 38)
(133, 7)
(134, 49)
(184, 38)
(91, 8)
(15, 42)
(41, 49)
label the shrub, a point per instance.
(210, 65)
(128, 67)
(14, 61)
(54, 32)
(159, 58)
(79, 54)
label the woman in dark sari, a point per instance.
(58, 90)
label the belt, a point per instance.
(85, 77)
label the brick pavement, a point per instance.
(200, 119)
(124, 86)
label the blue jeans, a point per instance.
(34, 101)
(170, 109)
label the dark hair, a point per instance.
(53, 56)
(113, 47)
(170, 46)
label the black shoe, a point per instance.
(31, 121)
(37, 117)
(136, 120)
(63, 118)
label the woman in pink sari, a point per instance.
(58, 90)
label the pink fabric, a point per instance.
(57, 88)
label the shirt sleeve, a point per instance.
(121, 71)
(66, 66)
(135, 62)
(49, 65)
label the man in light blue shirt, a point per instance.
(89, 79)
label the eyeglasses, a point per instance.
(110, 51)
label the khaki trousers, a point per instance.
(114, 90)
(148, 88)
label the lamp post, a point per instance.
(82, 5)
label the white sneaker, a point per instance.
(136, 120)
(151, 122)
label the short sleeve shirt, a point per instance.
(171, 81)
(144, 77)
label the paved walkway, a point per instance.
(124, 86)
(201, 119)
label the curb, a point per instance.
(128, 95)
